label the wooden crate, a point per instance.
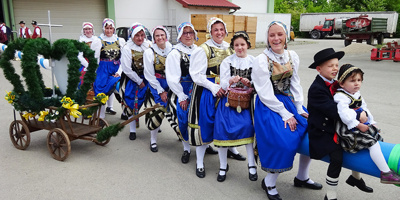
(251, 24)
(200, 21)
(202, 38)
(229, 37)
(252, 40)
(239, 23)
(229, 21)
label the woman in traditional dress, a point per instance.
(89, 38)
(154, 72)
(108, 72)
(133, 85)
(234, 126)
(280, 120)
(204, 70)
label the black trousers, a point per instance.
(336, 161)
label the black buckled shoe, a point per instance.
(210, 150)
(236, 156)
(132, 135)
(300, 183)
(155, 148)
(253, 177)
(270, 196)
(185, 157)
(110, 111)
(221, 178)
(326, 198)
(124, 117)
(360, 184)
(200, 172)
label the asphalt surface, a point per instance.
(125, 169)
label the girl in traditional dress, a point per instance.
(280, 120)
(181, 84)
(108, 72)
(88, 37)
(234, 127)
(133, 85)
(204, 70)
(154, 72)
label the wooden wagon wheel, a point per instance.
(104, 124)
(20, 134)
(58, 144)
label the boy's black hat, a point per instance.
(324, 55)
(21, 22)
(34, 22)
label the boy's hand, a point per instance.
(363, 117)
(362, 127)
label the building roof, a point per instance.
(209, 3)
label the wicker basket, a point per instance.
(89, 96)
(239, 97)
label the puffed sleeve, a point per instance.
(96, 47)
(83, 61)
(225, 73)
(198, 69)
(347, 115)
(121, 46)
(173, 74)
(295, 87)
(262, 83)
(126, 65)
(149, 73)
(365, 108)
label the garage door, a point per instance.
(69, 13)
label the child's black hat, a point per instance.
(346, 70)
(324, 55)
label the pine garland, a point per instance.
(106, 133)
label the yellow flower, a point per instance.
(102, 97)
(10, 96)
(42, 115)
(73, 109)
(28, 115)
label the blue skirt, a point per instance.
(156, 96)
(183, 115)
(232, 128)
(277, 145)
(130, 93)
(105, 82)
(207, 115)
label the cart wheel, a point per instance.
(20, 134)
(103, 123)
(58, 144)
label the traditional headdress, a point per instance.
(214, 20)
(281, 24)
(135, 28)
(160, 28)
(182, 26)
(108, 21)
(325, 55)
(87, 25)
(346, 70)
(243, 35)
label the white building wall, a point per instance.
(251, 6)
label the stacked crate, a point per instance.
(233, 24)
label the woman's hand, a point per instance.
(246, 82)
(164, 96)
(362, 127)
(363, 117)
(142, 85)
(292, 123)
(234, 79)
(221, 93)
(116, 75)
(184, 104)
(305, 115)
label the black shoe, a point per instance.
(236, 156)
(124, 117)
(159, 130)
(265, 188)
(253, 177)
(300, 183)
(200, 172)
(326, 198)
(155, 148)
(132, 135)
(221, 178)
(210, 150)
(185, 157)
(110, 111)
(359, 183)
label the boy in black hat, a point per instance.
(323, 115)
(24, 31)
(37, 32)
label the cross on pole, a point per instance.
(51, 60)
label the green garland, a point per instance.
(108, 132)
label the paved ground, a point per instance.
(126, 169)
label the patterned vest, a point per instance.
(137, 62)
(215, 57)
(185, 63)
(110, 50)
(35, 35)
(159, 63)
(355, 103)
(244, 73)
(280, 76)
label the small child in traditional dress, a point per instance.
(357, 129)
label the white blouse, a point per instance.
(198, 67)
(95, 46)
(173, 69)
(126, 59)
(348, 115)
(148, 61)
(236, 62)
(262, 82)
